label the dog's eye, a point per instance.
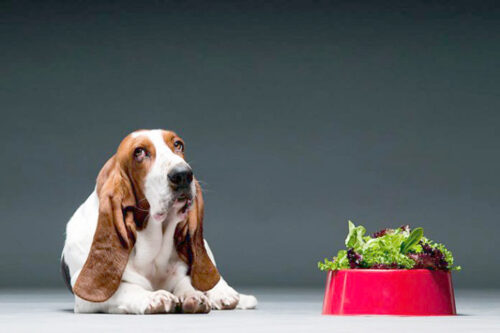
(140, 154)
(179, 146)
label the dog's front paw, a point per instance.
(195, 302)
(161, 301)
(223, 297)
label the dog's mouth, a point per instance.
(179, 206)
(184, 200)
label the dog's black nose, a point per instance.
(180, 176)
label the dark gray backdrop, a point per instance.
(297, 117)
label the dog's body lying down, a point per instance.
(136, 244)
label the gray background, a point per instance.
(297, 117)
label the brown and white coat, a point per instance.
(136, 244)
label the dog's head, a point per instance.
(146, 181)
(161, 179)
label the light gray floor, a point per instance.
(285, 310)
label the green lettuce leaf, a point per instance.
(355, 236)
(412, 240)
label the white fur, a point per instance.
(155, 279)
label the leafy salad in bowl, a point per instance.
(400, 248)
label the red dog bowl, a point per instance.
(416, 292)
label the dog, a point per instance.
(136, 244)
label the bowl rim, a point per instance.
(391, 270)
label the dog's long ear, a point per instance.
(190, 246)
(114, 237)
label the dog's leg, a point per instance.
(223, 297)
(192, 300)
(131, 298)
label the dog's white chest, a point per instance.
(153, 251)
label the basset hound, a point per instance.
(136, 244)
